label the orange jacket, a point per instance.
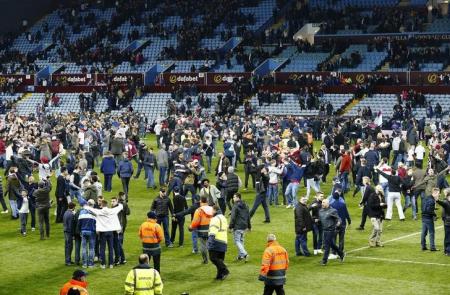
(202, 217)
(150, 232)
(275, 262)
(81, 286)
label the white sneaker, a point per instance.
(315, 252)
(102, 266)
(288, 206)
(332, 256)
(319, 251)
(4, 212)
(33, 229)
(111, 266)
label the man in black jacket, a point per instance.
(315, 206)
(303, 224)
(330, 222)
(262, 181)
(179, 205)
(42, 197)
(239, 223)
(375, 210)
(69, 232)
(161, 206)
(428, 216)
(446, 219)
(119, 254)
(364, 198)
(61, 193)
(233, 183)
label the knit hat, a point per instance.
(151, 215)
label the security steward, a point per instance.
(143, 280)
(275, 262)
(200, 222)
(151, 234)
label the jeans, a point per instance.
(87, 247)
(310, 183)
(77, 249)
(317, 235)
(23, 222)
(410, 201)
(398, 157)
(301, 244)
(344, 181)
(119, 255)
(125, 184)
(269, 289)
(341, 234)
(68, 246)
(394, 197)
(427, 227)
(217, 259)
(150, 177)
(291, 193)
(106, 238)
(14, 209)
(272, 193)
(3, 160)
(189, 188)
(179, 223)
(108, 182)
(194, 237)
(164, 221)
(43, 216)
(260, 200)
(239, 239)
(208, 163)
(162, 175)
(139, 169)
(328, 242)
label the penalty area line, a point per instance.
(393, 240)
(399, 261)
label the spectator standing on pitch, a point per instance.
(162, 205)
(303, 224)
(375, 211)
(446, 219)
(330, 222)
(239, 224)
(428, 216)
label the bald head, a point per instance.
(271, 237)
(143, 259)
(325, 203)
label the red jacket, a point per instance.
(2, 147)
(346, 163)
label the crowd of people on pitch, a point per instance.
(276, 155)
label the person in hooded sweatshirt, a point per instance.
(200, 223)
(342, 211)
(108, 168)
(125, 171)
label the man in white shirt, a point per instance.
(384, 167)
(107, 222)
(420, 153)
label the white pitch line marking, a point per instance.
(393, 240)
(399, 261)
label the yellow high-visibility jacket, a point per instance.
(143, 280)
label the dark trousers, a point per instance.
(43, 216)
(106, 238)
(230, 195)
(156, 260)
(139, 169)
(341, 236)
(301, 244)
(179, 223)
(447, 239)
(164, 222)
(328, 242)
(33, 216)
(261, 199)
(317, 235)
(285, 184)
(325, 172)
(217, 259)
(119, 254)
(247, 174)
(427, 227)
(108, 182)
(269, 289)
(222, 205)
(363, 217)
(77, 249)
(2, 202)
(68, 246)
(61, 207)
(125, 184)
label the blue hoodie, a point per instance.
(108, 166)
(125, 168)
(341, 209)
(294, 172)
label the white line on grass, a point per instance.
(399, 261)
(393, 240)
